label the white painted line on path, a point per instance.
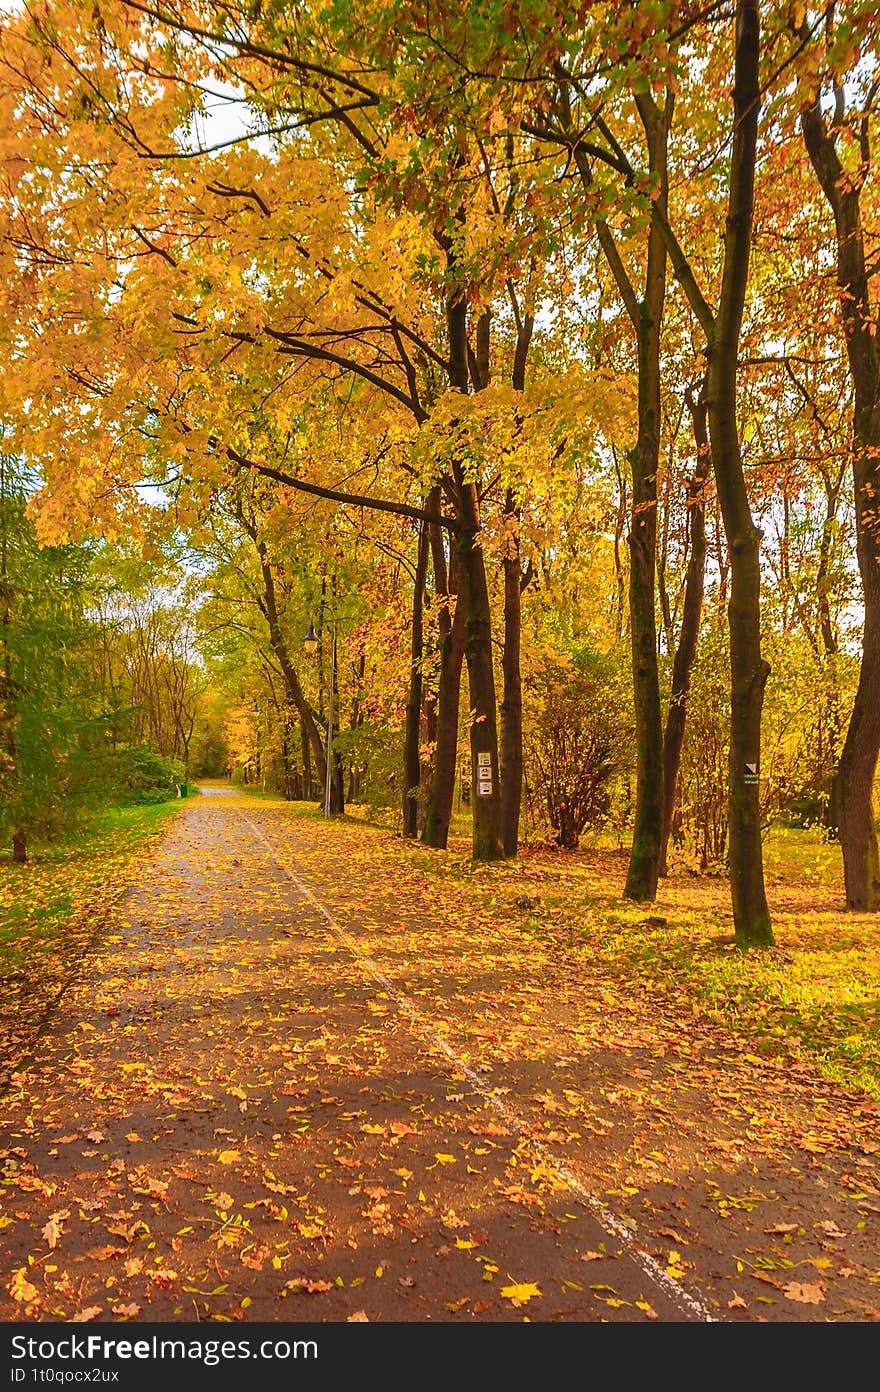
(690, 1304)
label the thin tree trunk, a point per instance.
(748, 669)
(292, 683)
(646, 316)
(511, 742)
(692, 609)
(412, 768)
(474, 593)
(438, 811)
(307, 789)
(853, 792)
(644, 864)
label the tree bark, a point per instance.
(305, 746)
(412, 766)
(292, 682)
(511, 742)
(748, 669)
(692, 609)
(487, 838)
(853, 790)
(646, 316)
(644, 863)
(438, 811)
(474, 593)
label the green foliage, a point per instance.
(53, 748)
(371, 752)
(143, 776)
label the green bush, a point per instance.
(144, 777)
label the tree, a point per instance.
(838, 142)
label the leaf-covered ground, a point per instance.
(51, 909)
(313, 1074)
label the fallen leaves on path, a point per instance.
(250, 1124)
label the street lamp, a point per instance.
(310, 642)
(310, 646)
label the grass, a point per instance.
(51, 907)
(813, 997)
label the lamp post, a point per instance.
(310, 646)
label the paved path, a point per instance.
(290, 1087)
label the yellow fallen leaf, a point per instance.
(20, 1288)
(520, 1294)
(229, 1157)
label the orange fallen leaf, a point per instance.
(804, 1294)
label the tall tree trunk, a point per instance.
(646, 316)
(644, 863)
(748, 669)
(511, 742)
(308, 791)
(412, 767)
(19, 837)
(438, 811)
(487, 840)
(853, 794)
(292, 684)
(692, 609)
(474, 593)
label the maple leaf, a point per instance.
(519, 1295)
(90, 1312)
(131, 1311)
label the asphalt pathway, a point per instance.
(282, 1090)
